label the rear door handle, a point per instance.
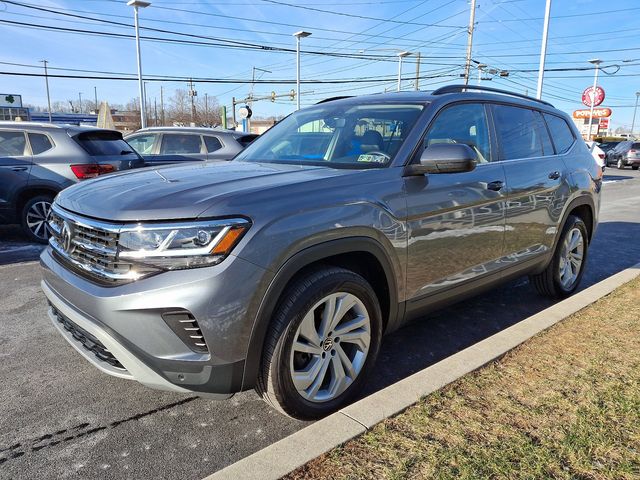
(495, 186)
(554, 175)
(19, 169)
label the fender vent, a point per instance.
(186, 327)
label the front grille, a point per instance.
(185, 326)
(89, 247)
(88, 341)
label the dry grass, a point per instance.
(565, 405)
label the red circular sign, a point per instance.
(593, 97)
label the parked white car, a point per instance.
(597, 153)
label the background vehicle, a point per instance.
(39, 160)
(597, 153)
(162, 145)
(606, 146)
(282, 269)
(625, 154)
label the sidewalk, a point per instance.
(565, 404)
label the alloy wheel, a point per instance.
(571, 258)
(37, 219)
(330, 347)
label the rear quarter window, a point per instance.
(561, 133)
(39, 143)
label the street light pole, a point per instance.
(139, 4)
(46, 80)
(633, 122)
(596, 62)
(543, 48)
(298, 35)
(401, 55)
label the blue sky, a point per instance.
(507, 37)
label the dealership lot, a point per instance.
(61, 417)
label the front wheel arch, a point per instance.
(320, 254)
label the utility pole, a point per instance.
(472, 21)
(633, 122)
(46, 80)
(146, 111)
(79, 102)
(95, 93)
(418, 71)
(233, 100)
(543, 48)
(192, 94)
(206, 108)
(162, 105)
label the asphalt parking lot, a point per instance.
(62, 418)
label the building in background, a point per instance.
(11, 108)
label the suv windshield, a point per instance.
(337, 136)
(104, 143)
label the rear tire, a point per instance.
(323, 341)
(34, 218)
(635, 167)
(563, 274)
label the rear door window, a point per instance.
(560, 133)
(180, 144)
(518, 132)
(212, 144)
(39, 143)
(547, 146)
(13, 144)
(462, 123)
(104, 143)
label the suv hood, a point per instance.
(180, 192)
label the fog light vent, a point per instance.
(185, 326)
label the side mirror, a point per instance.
(444, 158)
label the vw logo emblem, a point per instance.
(66, 238)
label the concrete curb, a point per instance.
(297, 449)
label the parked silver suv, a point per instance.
(38, 160)
(163, 145)
(282, 269)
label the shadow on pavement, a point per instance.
(443, 333)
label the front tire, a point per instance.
(323, 340)
(563, 274)
(34, 218)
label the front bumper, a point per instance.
(125, 322)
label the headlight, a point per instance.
(181, 245)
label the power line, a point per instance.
(365, 17)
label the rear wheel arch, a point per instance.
(363, 255)
(30, 192)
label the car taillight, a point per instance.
(91, 170)
(632, 151)
(601, 155)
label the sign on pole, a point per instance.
(591, 97)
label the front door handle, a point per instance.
(554, 175)
(495, 186)
(19, 169)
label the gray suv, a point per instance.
(162, 145)
(38, 160)
(282, 269)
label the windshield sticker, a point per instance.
(373, 158)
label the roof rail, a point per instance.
(462, 88)
(331, 99)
